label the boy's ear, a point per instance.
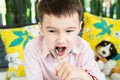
(41, 27)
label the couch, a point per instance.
(15, 39)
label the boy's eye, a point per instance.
(68, 31)
(51, 31)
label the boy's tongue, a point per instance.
(60, 51)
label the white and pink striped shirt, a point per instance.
(40, 65)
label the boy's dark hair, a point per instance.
(59, 8)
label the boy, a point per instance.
(59, 53)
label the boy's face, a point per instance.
(60, 33)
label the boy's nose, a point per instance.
(61, 39)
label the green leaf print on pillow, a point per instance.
(104, 27)
(22, 37)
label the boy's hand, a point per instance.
(67, 72)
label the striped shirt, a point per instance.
(40, 65)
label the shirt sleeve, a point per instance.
(32, 67)
(89, 64)
(95, 78)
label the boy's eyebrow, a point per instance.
(71, 28)
(49, 27)
(55, 28)
(68, 28)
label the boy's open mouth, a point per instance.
(60, 50)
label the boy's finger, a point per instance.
(60, 66)
(64, 69)
(60, 69)
(68, 76)
(64, 74)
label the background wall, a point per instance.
(24, 12)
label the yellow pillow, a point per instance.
(97, 29)
(15, 40)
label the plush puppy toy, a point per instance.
(105, 57)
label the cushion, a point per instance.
(15, 40)
(97, 29)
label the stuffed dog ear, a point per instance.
(113, 51)
(103, 43)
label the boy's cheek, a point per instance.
(50, 44)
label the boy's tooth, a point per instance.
(60, 49)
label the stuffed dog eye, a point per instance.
(103, 52)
